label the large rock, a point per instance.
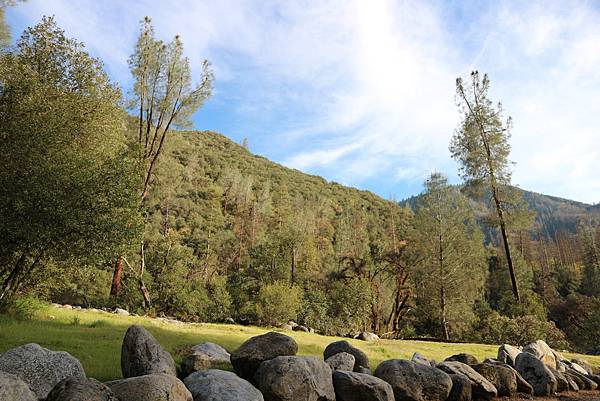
(341, 361)
(461, 388)
(247, 358)
(12, 388)
(219, 385)
(153, 387)
(584, 382)
(563, 382)
(420, 358)
(522, 385)
(81, 389)
(482, 388)
(352, 386)
(293, 378)
(508, 354)
(204, 357)
(39, 367)
(536, 373)
(543, 352)
(361, 359)
(142, 355)
(467, 359)
(592, 370)
(366, 336)
(413, 381)
(502, 377)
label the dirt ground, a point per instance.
(566, 396)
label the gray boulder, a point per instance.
(461, 388)
(204, 357)
(152, 387)
(413, 381)
(366, 336)
(578, 368)
(142, 355)
(219, 385)
(536, 373)
(39, 367)
(563, 382)
(419, 358)
(467, 359)
(590, 369)
(522, 385)
(482, 388)
(286, 326)
(361, 359)
(508, 354)
(543, 352)
(583, 381)
(352, 386)
(341, 361)
(12, 388)
(301, 328)
(121, 312)
(502, 377)
(247, 358)
(293, 378)
(81, 389)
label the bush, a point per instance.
(314, 309)
(350, 307)
(278, 302)
(25, 308)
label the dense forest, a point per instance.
(107, 200)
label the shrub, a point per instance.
(25, 308)
(278, 303)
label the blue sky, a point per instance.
(362, 92)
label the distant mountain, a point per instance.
(554, 214)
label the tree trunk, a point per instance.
(293, 275)
(117, 275)
(143, 289)
(511, 268)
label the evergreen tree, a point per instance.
(451, 270)
(481, 145)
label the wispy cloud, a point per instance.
(363, 92)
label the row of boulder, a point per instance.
(266, 368)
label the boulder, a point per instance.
(413, 381)
(536, 373)
(502, 377)
(286, 326)
(419, 358)
(467, 359)
(81, 389)
(142, 355)
(366, 336)
(592, 370)
(361, 359)
(219, 385)
(301, 328)
(39, 367)
(580, 384)
(229, 320)
(352, 386)
(508, 354)
(204, 357)
(341, 361)
(578, 368)
(584, 382)
(543, 352)
(461, 388)
(293, 378)
(522, 385)
(12, 388)
(121, 312)
(152, 387)
(247, 358)
(482, 388)
(562, 383)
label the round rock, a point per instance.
(414, 382)
(39, 367)
(81, 389)
(142, 355)
(536, 373)
(502, 377)
(467, 359)
(360, 358)
(294, 378)
(352, 386)
(153, 387)
(219, 385)
(204, 357)
(12, 388)
(508, 354)
(341, 361)
(247, 358)
(461, 388)
(482, 388)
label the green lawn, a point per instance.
(95, 339)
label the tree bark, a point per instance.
(117, 275)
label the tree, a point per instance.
(451, 269)
(164, 98)
(67, 183)
(481, 146)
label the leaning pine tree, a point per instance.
(481, 145)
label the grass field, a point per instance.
(95, 339)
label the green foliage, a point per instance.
(278, 303)
(349, 306)
(24, 308)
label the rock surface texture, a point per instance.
(537, 374)
(352, 386)
(361, 359)
(413, 381)
(153, 387)
(219, 385)
(142, 355)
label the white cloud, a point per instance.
(363, 92)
